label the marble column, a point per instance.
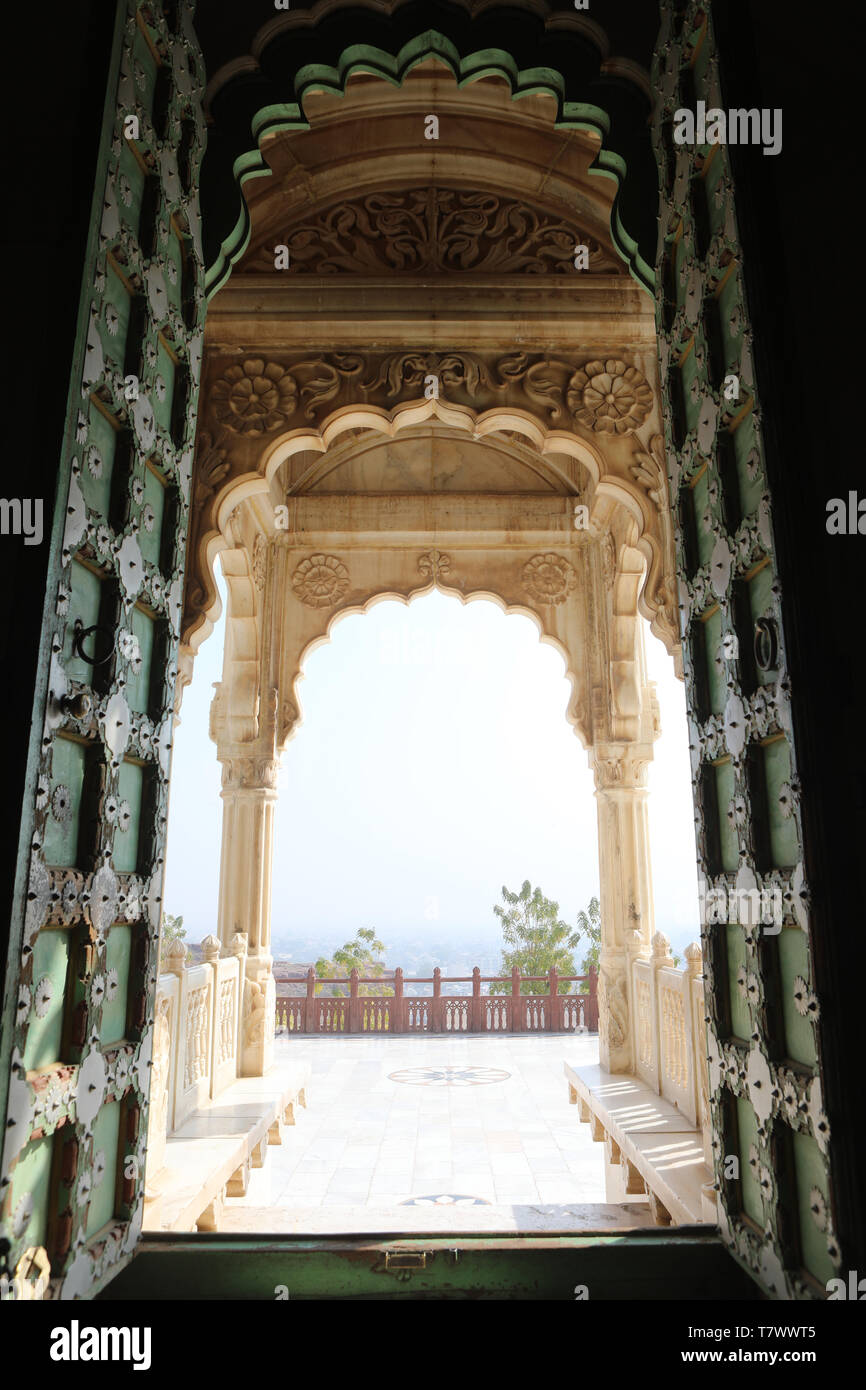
(249, 795)
(627, 917)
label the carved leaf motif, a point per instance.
(210, 468)
(444, 229)
(325, 387)
(651, 471)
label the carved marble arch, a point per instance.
(507, 144)
(338, 542)
(411, 261)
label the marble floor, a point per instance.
(424, 1133)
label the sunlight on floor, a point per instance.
(432, 1133)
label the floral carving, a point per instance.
(255, 1010)
(260, 561)
(609, 397)
(440, 229)
(455, 370)
(254, 397)
(434, 564)
(43, 996)
(320, 581)
(61, 804)
(211, 467)
(549, 578)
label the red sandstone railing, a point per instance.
(547, 1011)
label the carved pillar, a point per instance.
(626, 889)
(249, 796)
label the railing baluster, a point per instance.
(477, 1023)
(544, 1011)
(552, 1017)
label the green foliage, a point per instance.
(537, 937)
(589, 928)
(173, 929)
(359, 955)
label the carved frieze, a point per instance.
(253, 396)
(435, 229)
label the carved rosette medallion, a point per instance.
(320, 581)
(609, 397)
(254, 397)
(434, 564)
(549, 578)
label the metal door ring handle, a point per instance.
(79, 637)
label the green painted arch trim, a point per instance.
(488, 62)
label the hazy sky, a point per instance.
(433, 765)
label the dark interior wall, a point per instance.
(799, 217)
(53, 95)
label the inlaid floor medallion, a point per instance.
(449, 1076)
(445, 1199)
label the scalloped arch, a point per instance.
(546, 639)
(387, 423)
(611, 494)
(393, 68)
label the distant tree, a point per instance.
(359, 955)
(537, 937)
(173, 929)
(589, 928)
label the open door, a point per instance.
(770, 1133)
(78, 1011)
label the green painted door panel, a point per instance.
(50, 967)
(63, 818)
(94, 849)
(103, 1170)
(118, 953)
(765, 1094)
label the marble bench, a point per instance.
(209, 1158)
(650, 1147)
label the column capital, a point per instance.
(620, 766)
(249, 772)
